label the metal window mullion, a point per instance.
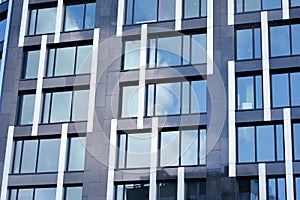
(37, 156)
(75, 61)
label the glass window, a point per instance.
(25, 194)
(295, 29)
(48, 160)
(276, 188)
(31, 64)
(80, 105)
(168, 51)
(271, 4)
(32, 193)
(183, 148)
(280, 41)
(246, 144)
(198, 49)
(42, 21)
(248, 44)
(167, 190)
(136, 149)
(297, 188)
(166, 10)
(295, 95)
(69, 60)
(170, 103)
(248, 189)
(296, 140)
(252, 5)
(295, 3)
(26, 109)
(142, 15)
(194, 8)
(29, 156)
(2, 29)
(73, 193)
(61, 107)
(132, 54)
(45, 193)
(280, 90)
(79, 16)
(130, 96)
(265, 143)
(279, 143)
(76, 154)
(132, 192)
(257, 5)
(195, 190)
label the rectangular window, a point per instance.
(76, 153)
(248, 189)
(31, 64)
(260, 143)
(194, 8)
(295, 3)
(256, 5)
(276, 188)
(195, 190)
(2, 28)
(248, 44)
(179, 98)
(65, 106)
(249, 92)
(167, 190)
(79, 16)
(26, 109)
(157, 10)
(132, 191)
(69, 61)
(73, 193)
(297, 188)
(284, 40)
(285, 89)
(296, 140)
(42, 20)
(134, 150)
(33, 156)
(131, 54)
(130, 101)
(183, 148)
(48, 193)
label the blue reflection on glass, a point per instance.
(169, 148)
(279, 143)
(198, 96)
(245, 93)
(130, 101)
(281, 188)
(74, 17)
(295, 94)
(90, 16)
(2, 29)
(265, 142)
(296, 141)
(246, 144)
(142, 15)
(189, 147)
(166, 10)
(295, 3)
(295, 38)
(280, 90)
(280, 41)
(271, 4)
(169, 51)
(252, 5)
(244, 44)
(132, 54)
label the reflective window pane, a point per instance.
(185, 105)
(74, 17)
(239, 6)
(80, 105)
(297, 188)
(90, 16)
(203, 8)
(51, 62)
(198, 49)
(259, 93)
(271, 4)
(32, 22)
(191, 8)
(202, 154)
(244, 42)
(46, 21)
(138, 150)
(257, 43)
(84, 59)
(48, 160)
(73, 193)
(295, 38)
(46, 111)
(17, 156)
(2, 29)
(169, 51)
(279, 143)
(76, 154)
(280, 41)
(281, 188)
(45, 193)
(295, 94)
(12, 194)
(295, 3)
(265, 142)
(246, 144)
(296, 141)
(132, 54)
(167, 99)
(167, 190)
(61, 107)
(129, 11)
(186, 53)
(150, 100)
(166, 10)
(198, 96)
(272, 189)
(122, 151)
(25, 194)
(248, 189)
(280, 90)
(252, 5)
(132, 192)
(189, 147)
(26, 109)
(169, 149)
(31, 64)
(29, 156)
(245, 93)
(65, 61)
(130, 101)
(142, 15)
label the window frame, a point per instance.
(198, 182)
(199, 11)
(276, 178)
(68, 151)
(19, 111)
(124, 184)
(259, 10)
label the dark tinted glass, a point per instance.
(132, 192)
(167, 190)
(195, 190)
(248, 189)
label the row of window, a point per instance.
(194, 189)
(162, 10)
(42, 20)
(33, 156)
(176, 148)
(48, 193)
(257, 5)
(265, 143)
(284, 91)
(61, 106)
(284, 40)
(167, 51)
(176, 98)
(62, 61)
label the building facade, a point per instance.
(150, 99)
